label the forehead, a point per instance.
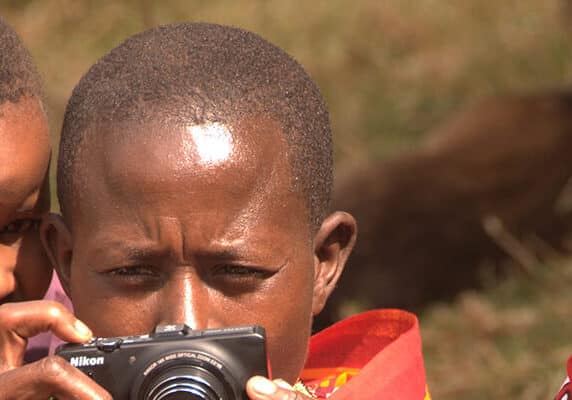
(24, 149)
(209, 149)
(195, 166)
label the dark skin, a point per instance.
(24, 197)
(196, 225)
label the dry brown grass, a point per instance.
(389, 69)
(512, 341)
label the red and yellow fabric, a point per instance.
(373, 355)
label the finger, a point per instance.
(51, 376)
(19, 321)
(260, 388)
(27, 319)
(7, 283)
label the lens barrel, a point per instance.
(179, 382)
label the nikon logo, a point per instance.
(84, 361)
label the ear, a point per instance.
(57, 241)
(333, 244)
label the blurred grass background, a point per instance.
(390, 70)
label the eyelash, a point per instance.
(133, 271)
(20, 226)
(222, 270)
(240, 270)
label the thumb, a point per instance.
(260, 388)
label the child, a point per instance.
(25, 271)
(194, 178)
(24, 158)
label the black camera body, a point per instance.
(174, 363)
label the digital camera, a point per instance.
(174, 363)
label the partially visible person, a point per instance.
(25, 272)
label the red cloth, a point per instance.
(565, 392)
(373, 355)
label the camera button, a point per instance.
(171, 330)
(108, 344)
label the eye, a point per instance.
(20, 226)
(136, 275)
(237, 280)
(240, 271)
(131, 271)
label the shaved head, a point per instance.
(18, 75)
(195, 74)
(24, 139)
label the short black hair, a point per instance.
(204, 73)
(18, 74)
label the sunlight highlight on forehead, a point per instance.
(212, 143)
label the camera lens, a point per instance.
(184, 383)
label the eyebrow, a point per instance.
(141, 249)
(230, 253)
(132, 250)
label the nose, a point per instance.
(185, 299)
(8, 258)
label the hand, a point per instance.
(51, 376)
(260, 388)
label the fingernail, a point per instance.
(82, 328)
(283, 384)
(264, 386)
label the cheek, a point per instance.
(285, 312)
(112, 316)
(33, 271)
(287, 344)
(8, 256)
(108, 313)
